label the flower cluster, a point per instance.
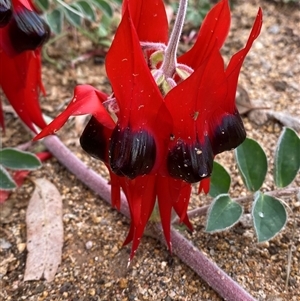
(167, 117)
(22, 33)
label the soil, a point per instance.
(94, 264)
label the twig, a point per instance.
(45, 49)
(24, 146)
(275, 193)
(86, 56)
(203, 266)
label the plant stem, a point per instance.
(215, 277)
(45, 49)
(275, 193)
(190, 255)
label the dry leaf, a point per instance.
(244, 103)
(285, 119)
(242, 100)
(44, 232)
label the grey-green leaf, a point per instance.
(74, 14)
(55, 20)
(287, 158)
(252, 163)
(42, 4)
(104, 7)
(219, 181)
(223, 214)
(87, 10)
(6, 181)
(269, 216)
(19, 160)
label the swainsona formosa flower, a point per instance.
(22, 33)
(167, 117)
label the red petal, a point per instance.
(27, 3)
(235, 64)
(20, 79)
(86, 100)
(4, 194)
(141, 195)
(149, 19)
(193, 101)
(172, 193)
(43, 156)
(2, 124)
(204, 186)
(137, 94)
(213, 32)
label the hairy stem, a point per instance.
(169, 63)
(275, 193)
(215, 277)
(190, 255)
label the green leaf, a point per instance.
(219, 181)
(223, 213)
(73, 14)
(55, 20)
(87, 10)
(16, 159)
(252, 163)
(104, 7)
(102, 31)
(42, 4)
(287, 158)
(269, 216)
(6, 181)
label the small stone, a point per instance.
(279, 85)
(123, 283)
(92, 292)
(39, 289)
(21, 247)
(4, 244)
(65, 295)
(246, 220)
(89, 245)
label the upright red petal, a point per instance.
(233, 70)
(228, 130)
(192, 104)
(213, 32)
(139, 101)
(149, 19)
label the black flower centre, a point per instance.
(131, 153)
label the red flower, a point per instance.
(166, 120)
(22, 32)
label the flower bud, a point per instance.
(131, 153)
(5, 12)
